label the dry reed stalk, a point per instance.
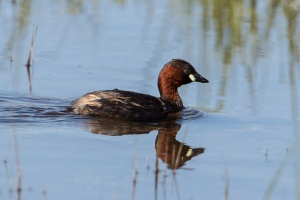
(166, 168)
(19, 169)
(180, 148)
(165, 182)
(176, 185)
(282, 167)
(30, 55)
(148, 164)
(266, 154)
(29, 78)
(156, 171)
(135, 171)
(226, 188)
(45, 192)
(178, 157)
(9, 179)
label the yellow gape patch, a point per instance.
(190, 151)
(192, 77)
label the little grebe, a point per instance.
(133, 106)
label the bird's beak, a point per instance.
(198, 78)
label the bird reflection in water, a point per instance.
(172, 152)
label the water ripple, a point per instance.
(17, 108)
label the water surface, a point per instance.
(241, 142)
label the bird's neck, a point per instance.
(169, 94)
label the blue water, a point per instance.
(240, 133)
